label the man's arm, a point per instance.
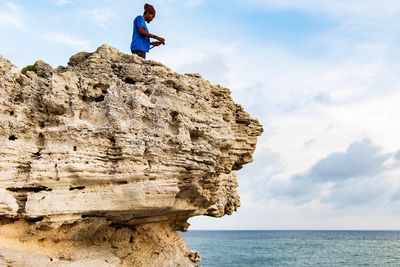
(142, 31)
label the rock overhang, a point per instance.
(117, 138)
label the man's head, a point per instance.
(149, 13)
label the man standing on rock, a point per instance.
(140, 44)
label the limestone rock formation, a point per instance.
(103, 160)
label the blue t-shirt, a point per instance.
(140, 42)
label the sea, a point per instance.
(296, 248)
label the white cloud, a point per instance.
(261, 172)
(212, 66)
(358, 175)
(397, 156)
(360, 158)
(179, 2)
(12, 16)
(11, 19)
(358, 192)
(194, 2)
(69, 40)
(323, 98)
(62, 2)
(13, 7)
(341, 8)
(396, 195)
(102, 17)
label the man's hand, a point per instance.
(156, 43)
(160, 40)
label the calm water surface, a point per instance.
(296, 248)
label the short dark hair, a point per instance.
(149, 8)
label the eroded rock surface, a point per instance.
(103, 160)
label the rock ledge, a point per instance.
(103, 160)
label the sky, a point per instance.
(322, 76)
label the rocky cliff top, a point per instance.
(113, 142)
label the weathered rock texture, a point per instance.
(103, 160)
